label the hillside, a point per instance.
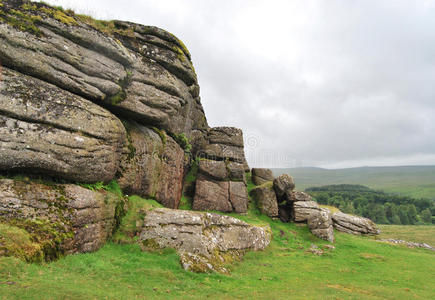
(413, 181)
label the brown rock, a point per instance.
(261, 175)
(214, 169)
(266, 200)
(238, 196)
(154, 167)
(211, 195)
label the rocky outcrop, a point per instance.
(139, 72)
(261, 175)
(62, 218)
(265, 197)
(354, 224)
(154, 167)
(320, 224)
(44, 129)
(204, 241)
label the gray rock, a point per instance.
(303, 209)
(238, 196)
(266, 200)
(282, 184)
(294, 196)
(154, 168)
(44, 129)
(354, 224)
(143, 73)
(320, 224)
(236, 171)
(63, 218)
(261, 175)
(205, 242)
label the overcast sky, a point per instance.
(311, 83)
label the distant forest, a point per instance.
(382, 208)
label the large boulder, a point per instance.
(154, 167)
(266, 200)
(47, 130)
(320, 224)
(354, 224)
(140, 72)
(283, 184)
(204, 241)
(294, 196)
(261, 175)
(61, 218)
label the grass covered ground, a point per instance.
(418, 234)
(359, 268)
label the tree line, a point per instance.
(381, 207)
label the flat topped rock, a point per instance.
(354, 224)
(204, 241)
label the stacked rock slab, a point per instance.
(66, 86)
(204, 241)
(261, 175)
(221, 182)
(220, 186)
(354, 224)
(62, 218)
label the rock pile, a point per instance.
(279, 196)
(221, 183)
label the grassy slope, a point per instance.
(359, 268)
(414, 181)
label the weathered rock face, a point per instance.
(221, 184)
(204, 241)
(154, 167)
(44, 129)
(354, 224)
(261, 175)
(303, 209)
(63, 218)
(294, 196)
(320, 224)
(225, 196)
(139, 72)
(225, 143)
(266, 200)
(283, 184)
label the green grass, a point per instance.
(418, 234)
(412, 181)
(359, 268)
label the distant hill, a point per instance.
(413, 181)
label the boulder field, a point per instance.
(92, 111)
